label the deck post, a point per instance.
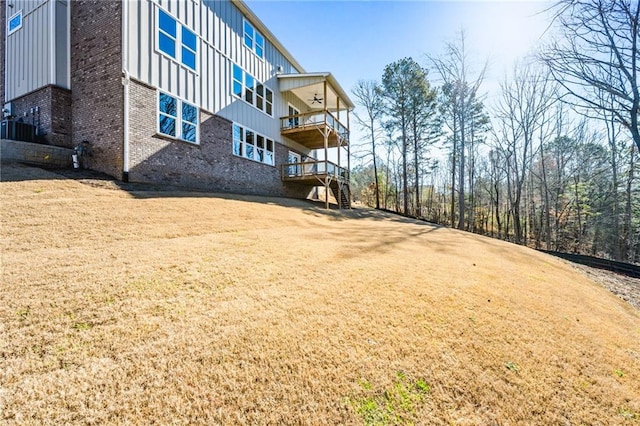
(326, 150)
(339, 139)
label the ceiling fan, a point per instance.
(316, 99)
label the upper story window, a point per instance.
(253, 39)
(14, 23)
(176, 41)
(177, 118)
(252, 91)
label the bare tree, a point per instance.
(460, 93)
(368, 96)
(520, 115)
(598, 51)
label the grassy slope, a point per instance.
(140, 307)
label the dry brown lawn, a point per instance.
(141, 307)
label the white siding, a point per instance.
(219, 25)
(38, 53)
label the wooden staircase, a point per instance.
(342, 194)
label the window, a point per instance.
(238, 76)
(15, 23)
(189, 48)
(293, 121)
(252, 91)
(167, 34)
(172, 34)
(177, 118)
(253, 39)
(251, 145)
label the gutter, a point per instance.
(125, 82)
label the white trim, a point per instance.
(253, 39)
(295, 108)
(243, 143)
(52, 41)
(244, 88)
(178, 40)
(126, 82)
(4, 59)
(18, 13)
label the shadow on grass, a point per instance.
(23, 172)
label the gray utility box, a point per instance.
(17, 131)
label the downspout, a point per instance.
(125, 83)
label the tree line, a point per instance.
(550, 163)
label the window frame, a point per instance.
(178, 40)
(250, 95)
(250, 150)
(180, 120)
(11, 18)
(253, 38)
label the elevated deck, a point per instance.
(320, 173)
(309, 129)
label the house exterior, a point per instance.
(196, 93)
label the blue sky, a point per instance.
(356, 39)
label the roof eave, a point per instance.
(260, 26)
(332, 81)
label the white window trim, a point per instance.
(178, 118)
(18, 13)
(178, 39)
(253, 89)
(253, 39)
(295, 108)
(255, 146)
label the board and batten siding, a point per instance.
(219, 27)
(37, 54)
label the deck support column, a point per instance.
(339, 139)
(326, 151)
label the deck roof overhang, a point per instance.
(308, 86)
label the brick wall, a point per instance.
(53, 118)
(34, 153)
(96, 85)
(210, 166)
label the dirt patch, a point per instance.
(625, 287)
(131, 306)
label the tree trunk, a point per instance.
(461, 200)
(375, 163)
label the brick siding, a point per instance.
(53, 118)
(210, 165)
(34, 153)
(96, 84)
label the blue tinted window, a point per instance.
(15, 22)
(248, 81)
(259, 45)
(167, 45)
(189, 39)
(189, 113)
(167, 125)
(188, 58)
(237, 73)
(167, 24)
(237, 88)
(189, 132)
(168, 105)
(248, 35)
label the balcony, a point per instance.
(309, 129)
(317, 172)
